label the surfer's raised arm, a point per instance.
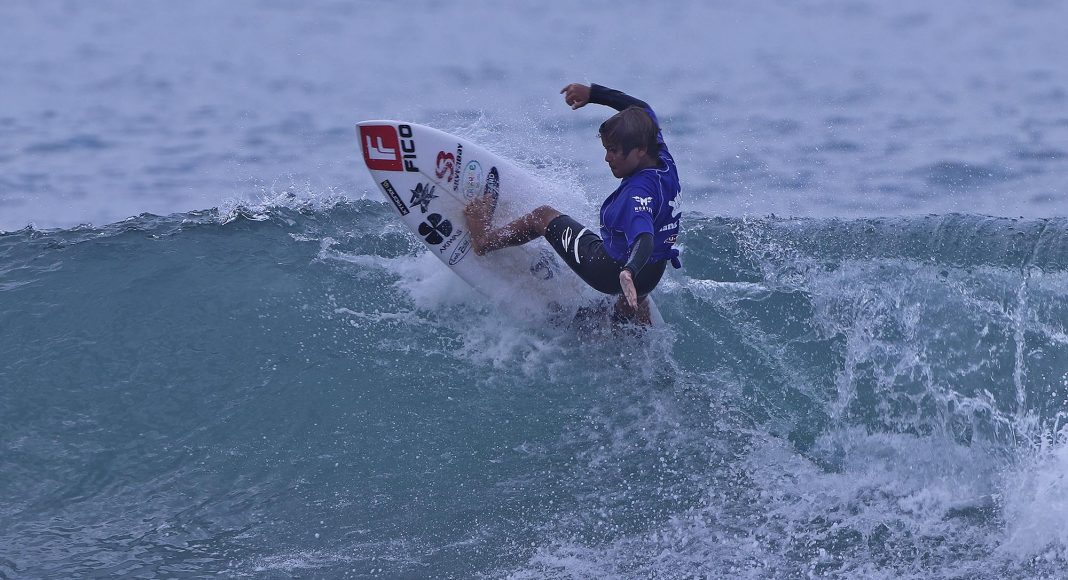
(578, 95)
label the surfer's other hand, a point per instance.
(576, 95)
(626, 282)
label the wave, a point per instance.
(877, 397)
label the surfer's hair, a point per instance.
(631, 128)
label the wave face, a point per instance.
(303, 391)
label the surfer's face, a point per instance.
(623, 164)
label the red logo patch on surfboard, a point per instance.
(381, 148)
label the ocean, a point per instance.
(221, 355)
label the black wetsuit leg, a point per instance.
(583, 251)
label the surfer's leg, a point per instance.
(521, 231)
(583, 251)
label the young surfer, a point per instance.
(639, 220)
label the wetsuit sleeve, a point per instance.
(639, 253)
(618, 100)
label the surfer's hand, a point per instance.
(626, 282)
(576, 95)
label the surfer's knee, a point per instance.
(543, 215)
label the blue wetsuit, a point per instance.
(639, 221)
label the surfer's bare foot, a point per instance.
(477, 216)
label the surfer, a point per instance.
(639, 220)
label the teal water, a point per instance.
(278, 393)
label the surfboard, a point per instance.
(429, 176)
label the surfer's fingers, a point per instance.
(573, 95)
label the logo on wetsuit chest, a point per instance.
(643, 204)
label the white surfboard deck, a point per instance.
(430, 176)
